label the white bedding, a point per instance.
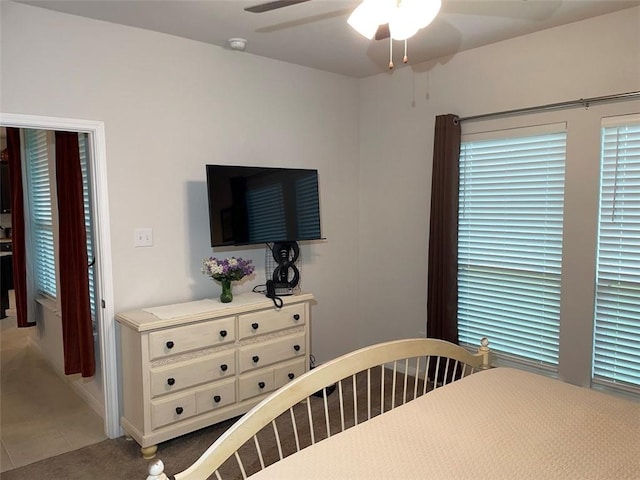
(497, 424)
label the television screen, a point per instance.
(250, 205)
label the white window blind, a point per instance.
(83, 140)
(617, 307)
(510, 242)
(41, 227)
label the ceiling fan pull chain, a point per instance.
(405, 59)
(390, 53)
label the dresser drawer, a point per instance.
(286, 372)
(265, 321)
(266, 353)
(191, 337)
(164, 412)
(216, 396)
(257, 383)
(172, 378)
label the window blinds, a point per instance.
(617, 307)
(44, 263)
(510, 242)
(83, 140)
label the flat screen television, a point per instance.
(249, 205)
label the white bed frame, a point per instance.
(408, 364)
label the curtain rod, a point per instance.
(585, 102)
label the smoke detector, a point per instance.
(237, 44)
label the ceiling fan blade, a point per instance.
(383, 32)
(266, 7)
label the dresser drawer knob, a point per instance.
(217, 398)
(171, 381)
(255, 326)
(261, 385)
(169, 345)
(296, 348)
(291, 376)
(224, 367)
(296, 317)
(179, 410)
(255, 359)
(223, 333)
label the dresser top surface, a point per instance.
(163, 316)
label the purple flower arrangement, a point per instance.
(228, 269)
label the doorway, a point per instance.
(106, 371)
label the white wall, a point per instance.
(172, 105)
(592, 58)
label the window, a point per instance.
(43, 207)
(83, 146)
(41, 182)
(510, 224)
(616, 359)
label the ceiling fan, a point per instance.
(273, 5)
(382, 32)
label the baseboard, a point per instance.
(77, 387)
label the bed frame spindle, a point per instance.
(240, 464)
(416, 378)
(368, 394)
(259, 450)
(382, 389)
(275, 431)
(355, 399)
(341, 399)
(426, 375)
(326, 411)
(295, 430)
(311, 430)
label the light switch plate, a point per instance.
(143, 237)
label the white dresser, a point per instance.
(190, 365)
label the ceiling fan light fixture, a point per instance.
(402, 24)
(405, 17)
(360, 20)
(424, 11)
(370, 14)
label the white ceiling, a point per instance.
(316, 33)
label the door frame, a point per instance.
(100, 212)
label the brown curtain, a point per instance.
(77, 330)
(442, 285)
(17, 228)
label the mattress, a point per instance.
(496, 424)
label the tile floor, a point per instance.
(40, 415)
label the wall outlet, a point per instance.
(143, 237)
